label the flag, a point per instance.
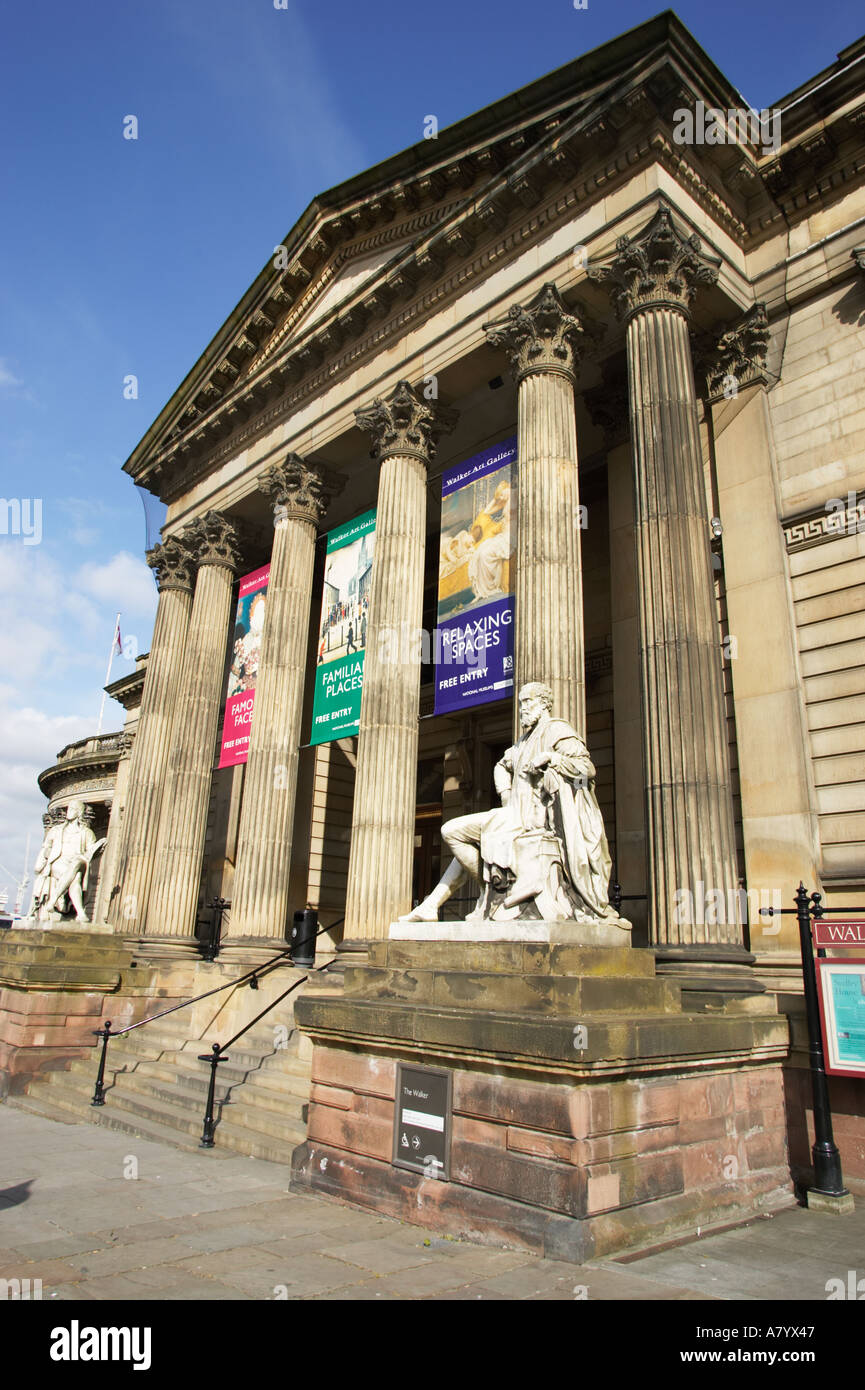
(117, 649)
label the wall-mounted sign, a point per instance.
(243, 667)
(422, 1120)
(475, 634)
(828, 933)
(342, 630)
(841, 990)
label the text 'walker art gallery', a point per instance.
(486, 839)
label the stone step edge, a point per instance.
(150, 1123)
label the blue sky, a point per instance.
(123, 257)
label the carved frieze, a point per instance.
(839, 516)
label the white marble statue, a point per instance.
(62, 869)
(543, 853)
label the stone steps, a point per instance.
(155, 1087)
(68, 1110)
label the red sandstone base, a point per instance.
(572, 1171)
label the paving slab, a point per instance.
(184, 1229)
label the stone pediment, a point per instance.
(362, 260)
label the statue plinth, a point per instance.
(590, 1113)
(565, 932)
(56, 922)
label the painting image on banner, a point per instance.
(243, 668)
(342, 630)
(474, 638)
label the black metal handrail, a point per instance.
(106, 1034)
(219, 1051)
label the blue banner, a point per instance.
(475, 634)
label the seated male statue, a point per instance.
(543, 853)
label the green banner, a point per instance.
(342, 630)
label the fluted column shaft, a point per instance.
(690, 828)
(542, 340)
(548, 641)
(183, 823)
(652, 280)
(382, 829)
(127, 908)
(261, 882)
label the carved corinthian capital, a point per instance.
(300, 491)
(173, 563)
(404, 424)
(660, 268)
(215, 540)
(738, 357)
(540, 337)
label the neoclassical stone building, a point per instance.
(672, 331)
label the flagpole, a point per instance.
(108, 673)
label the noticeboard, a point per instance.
(841, 991)
(422, 1120)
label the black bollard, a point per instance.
(303, 934)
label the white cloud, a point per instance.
(124, 582)
(7, 376)
(58, 621)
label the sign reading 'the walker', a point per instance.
(243, 671)
(422, 1120)
(342, 630)
(475, 635)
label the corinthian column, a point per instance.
(542, 341)
(300, 494)
(691, 846)
(404, 430)
(173, 563)
(187, 786)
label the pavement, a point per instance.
(97, 1215)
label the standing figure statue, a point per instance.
(62, 870)
(543, 853)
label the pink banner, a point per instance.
(243, 670)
